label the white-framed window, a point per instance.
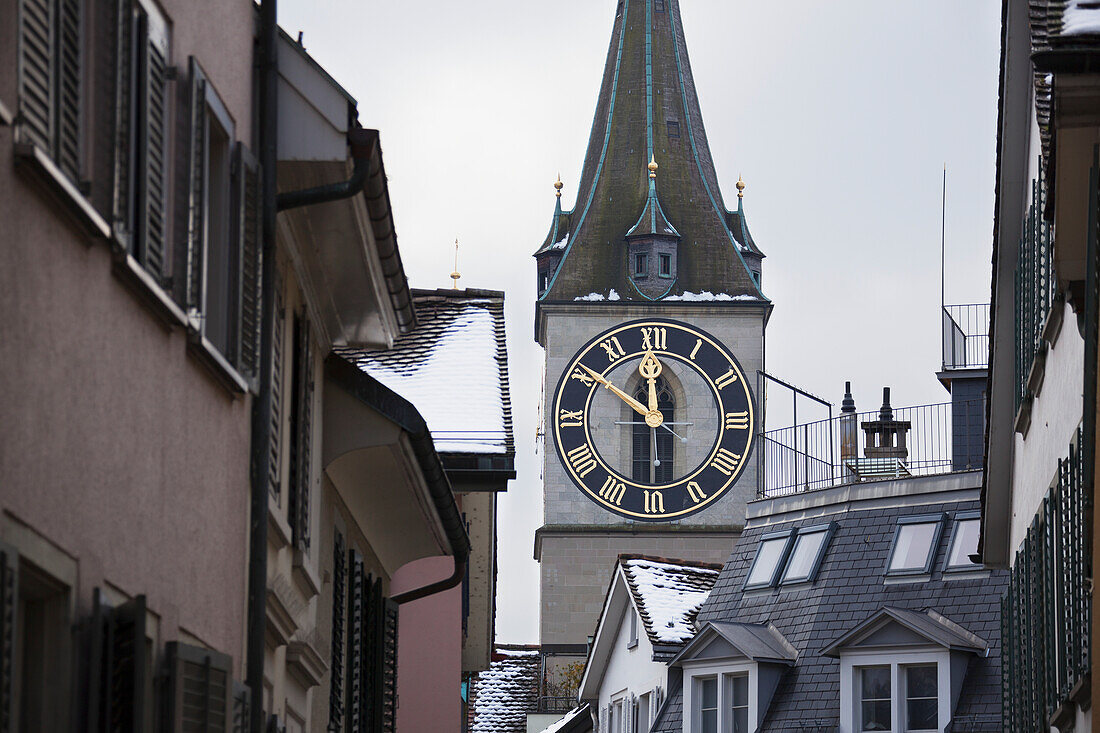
(964, 542)
(914, 548)
(720, 698)
(632, 639)
(770, 556)
(895, 692)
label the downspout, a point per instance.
(260, 468)
(363, 143)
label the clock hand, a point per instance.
(638, 406)
(649, 368)
(666, 427)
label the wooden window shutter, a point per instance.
(68, 46)
(389, 664)
(125, 666)
(9, 602)
(123, 121)
(152, 135)
(380, 661)
(242, 707)
(275, 474)
(301, 432)
(357, 601)
(199, 689)
(336, 666)
(247, 229)
(195, 280)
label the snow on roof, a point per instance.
(1080, 17)
(562, 244)
(599, 296)
(501, 696)
(453, 368)
(668, 594)
(707, 295)
(573, 714)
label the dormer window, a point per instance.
(770, 556)
(915, 541)
(641, 264)
(807, 553)
(544, 281)
(665, 262)
(964, 542)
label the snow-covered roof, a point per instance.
(706, 295)
(501, 696)
(1080, 17)
(562, 724)
(453, 368)
(668, 594)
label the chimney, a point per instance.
(849, 431)
(885, 437)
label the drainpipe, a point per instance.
(259, 473)
(363, 143)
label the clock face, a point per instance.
(653, 419)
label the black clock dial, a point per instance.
(653, 419)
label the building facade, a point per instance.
(649, 240)
(1040, 447)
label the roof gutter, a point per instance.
(400, 411)
(368, 177)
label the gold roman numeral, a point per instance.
(654, 502)
(613, 348)
(570, 419)
(580, 458)
(725, 461)
(698, 343)
(737, 420)
(654, 339)
(726, 379)
(613, 491)
(695, 491)
(585, 378)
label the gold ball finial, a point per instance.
(456, 275)
(740, 187)
(558, 185)
(652, 167)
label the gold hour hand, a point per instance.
(650, 369)
(638, 406)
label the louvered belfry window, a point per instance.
(371, 675)
(301, 432)
(141, 135)
(50, 70)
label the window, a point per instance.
(659, 6)
(874, 699)
(301, 433)
(544, 280)
(915, 542)
(964, 542)
(739, 702)
(370, 679)
(708, 705)
(807, 553)
(42, 651)
(769, 559)
(645, 440)
(665, 262)
(632, 641)
(921, 698)
(641, 714)
(223, 254)
(641, 265)
(50, 74)
(673, 130)
(141, 137)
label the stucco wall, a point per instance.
(631, 670)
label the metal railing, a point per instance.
(1046, 613)
(966, 336)
(1034, 287)
(556, 704)
(941, 439)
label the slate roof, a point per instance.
(453, 368)
(639, 114)
(847, 591)
(668, 594)
(501, 696)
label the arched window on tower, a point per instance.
(644, 437)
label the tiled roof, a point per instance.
(848, 590)
(453, 368)
(501, 696)
(577, 719)
(668, 594)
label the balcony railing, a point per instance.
(940, 439)
(556, 703)
(1034, 288)
(1045, 615)
(966, 336)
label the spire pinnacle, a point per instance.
(740, 187)
(456, 275)
(558, 185)
(652, 167)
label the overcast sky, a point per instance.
(839, 115)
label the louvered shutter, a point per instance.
(195, 281)
(372, 654)
(125, 668)
(68, 81)
(302, 433)
(152, 83)
(123, 119)
(246, 207)
(242, 707)
(356, 640)
(336, 666)
(199, 689)
(36, 54)
(9, 603)
(275, 474)
(389, 665)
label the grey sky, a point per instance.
(839, 115)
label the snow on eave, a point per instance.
(707, 296)
(573, 714)
(668, 596)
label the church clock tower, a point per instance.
(652, 317)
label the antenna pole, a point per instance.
(943, 230)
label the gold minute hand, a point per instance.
(638, 406)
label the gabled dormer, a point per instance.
(652, 246)
(553, 247)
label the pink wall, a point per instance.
(429, 650)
